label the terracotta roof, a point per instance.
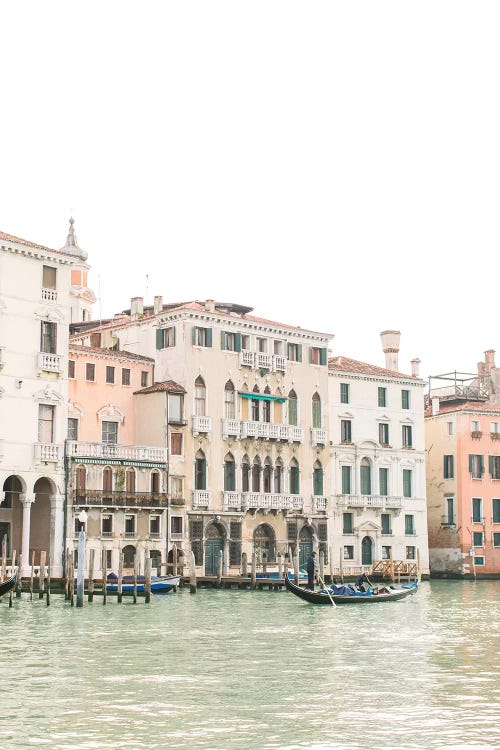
(345, 364)
(116, 353)
(478, 406)
(19, 241)
(167, 385)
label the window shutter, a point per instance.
(209, 337)
(322, 356)
(223, 340)
(237, 342)
(204, 474)
(470, 463)
(310, 355)
(490, 464)
(299, 352)
(482, 465)
(159, 338)
(193, 335)
(173, 336)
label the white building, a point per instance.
(41, 290)
(377, 444)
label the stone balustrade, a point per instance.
(50, 362)
(79, 449)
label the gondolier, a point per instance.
(311, 568)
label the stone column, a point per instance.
(56, 535)
(26, 501)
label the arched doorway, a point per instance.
(40, 526)
(366, 551)
(264, 543)
(305, 545)
(128, 556)
(155, 556)
(214, 545)
(11, 513)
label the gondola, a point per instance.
(8, 585)
(383, 593)
(159, 584)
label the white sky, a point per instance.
(334, 165)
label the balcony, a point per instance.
(263, 361)
(246, 358)
(50, 362)
(201, 498)
(318, 436)
(154, 535)
(370, 501)
(49, 295)
(201, 424)
(45, 452)
(262, 501)
(270, 431)
(320, 503)
(231, 428)
(77, 449)
(119, 498)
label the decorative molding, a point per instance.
(110, 412)
(50, 314)
(75, 410)
(48, 395)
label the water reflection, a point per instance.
(224, 670)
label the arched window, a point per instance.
(264, 543)
(155, 482)
(278, 476)
(229, 401)
(292, 408)
(81, 480)
(130, 480)
(107, 479)
(200, 397)
(294, 477)
(278, 408)
(200, 471)
(128, 556)
(365, 477)
(229, 473)
(255, 405)
(266, 406)
(316, 410)
(256, 468)
(317, 479)
(268, 475)
(245, 474)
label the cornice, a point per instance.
(40, 254)
(377, 378)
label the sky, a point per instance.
(334, 165)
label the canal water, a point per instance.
(226, 670)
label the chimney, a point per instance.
(390, 345)
(435, 406)
(136, 307)
(210, 305)
(489, 358)
(414, 367)
(158, 305)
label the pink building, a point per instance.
(463, 473)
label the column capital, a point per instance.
(57, 501)
(26, 501)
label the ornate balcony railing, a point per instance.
(49, 295)
(231, 428)
(201, 424)
(48, 452)
(320, 503)
(247, 358)
(80, 449)
(318, 436)
(120, 498)
(370, 501)
(201, 498)
(49, 362)
(267, 430)
(262, 360)
(262, 500)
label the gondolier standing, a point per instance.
(311, 568)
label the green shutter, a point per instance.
(193, 335)
(209, 337)
(299, 352)
(237, 342)
(482, 465)
(470, 463)
(159, 338)
(203, 474)
(490, 464)
(310, 355)
(223, 340)
(318, 482)
(322, 356)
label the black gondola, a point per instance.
(385, 594)
(6, 586)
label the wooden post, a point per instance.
(192, 573)
(331, 565)
(174, 559)
(91, 575)
(135, 579)
(219, 569)
(66, 576)
(296, 569)
(418, 566)
(254, 570)
(120, 578)
(280, 566)
(32, 574)
(19, 583)
(244, 565)
(264, 567)
(341, 555)
(72, 578)
(322, 565)
(392, 565)
(13, 570)
(147, 579)
(104, 577)
(80, 580)
(48, 585)
(4, 557)
(41, 575)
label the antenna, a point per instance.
(147, 289)
(99, 297)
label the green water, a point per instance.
(242, 669)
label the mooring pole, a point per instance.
(81, 569)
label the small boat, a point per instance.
(159, 584)
(349, 595)
(7, 585)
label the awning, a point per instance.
(262, 397)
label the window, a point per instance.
(256, 471)
(496, 510)
(110, 374)
(294, 352)
(130, 479)
(317, 479)
(144, 379)
(202, 336)
(107, 479)
(382, 396)
(496, 538)
(477, 539)
(266, 408)
(245, 474)
(46, 423)
(494, 428)
(407, 436)
(48, 337)
(165, 337)
(200, 397)
(255, 403)
(448, 468)
(230, 474)
(176, 488)
(49, 277)
(475, 426)
(365, 477)
(479, 561)
(386, 552)
(477, 510)
(449, 428)
(125, 376)
(130, 531)
(346, 480)
(267, 474)
(476, 466)
(449, 517)
(349, 552)
(176, 524)
(155, 482)
(316, 410)
(494, 466)
(72, 428)
(200, 472)
(95, 340)
(409, 525)
(383, 433)
(383, 480)
(344, 393)
(110, 432)
(245, 341)
(405, 399)
(229, 401)
(347, 527)
(345, 431)
(317, 355)
(407, 483)
(410, 553)
(261, 345)
(107, 525)
(71, 368)
(176, 443)
(386, 523)
(175, 407)
(294, 478)
(292, 408)
(90, 371)
(230, 342)
(154, 527)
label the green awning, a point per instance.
(262, 397)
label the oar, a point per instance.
(327, 590)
